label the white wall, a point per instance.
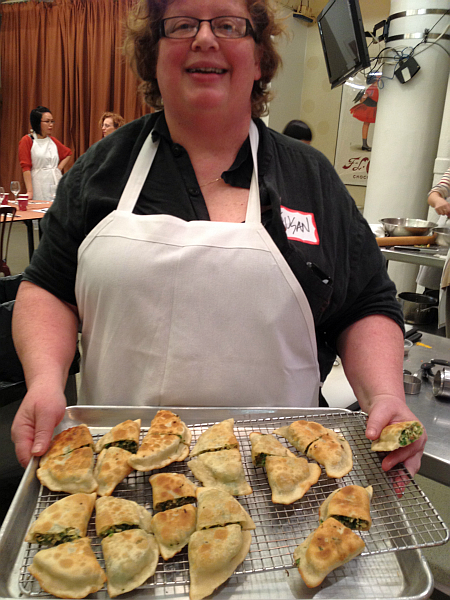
(319, 105)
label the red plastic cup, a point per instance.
(23, 203)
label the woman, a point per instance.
(109, 122)
(226, 275)
(430, 277)
(42, 157)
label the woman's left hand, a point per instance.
(387, 410)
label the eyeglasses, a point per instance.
(183, 28)
(48, 122)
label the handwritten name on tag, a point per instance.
(300, 226)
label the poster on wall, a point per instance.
(355, 132)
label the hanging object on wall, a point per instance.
(304, 12)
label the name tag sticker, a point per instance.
(300, 226)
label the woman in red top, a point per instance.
(42, 157)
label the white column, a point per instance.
(408, 123)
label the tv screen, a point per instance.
(343, 40)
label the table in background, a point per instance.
(32, 213)
(433, 412)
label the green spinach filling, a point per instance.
(410, 435)
(53, 539)
(129, 445)
(174, 503)
(118, 528)
(350, 522)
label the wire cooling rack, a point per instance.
(402, 516)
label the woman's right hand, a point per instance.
(440, 205)
(38, 415)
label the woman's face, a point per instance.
(107, 126)
(46, 124)
(207, 73)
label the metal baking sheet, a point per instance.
(407, 523)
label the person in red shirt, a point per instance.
(42, 157)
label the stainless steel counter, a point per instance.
(433, 412)
(415, 257)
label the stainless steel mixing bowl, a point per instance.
(399, 227)
(442, 236)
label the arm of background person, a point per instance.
(45, 333)
(440, 205)
(28, 184)
(372, 356)
(63, 163)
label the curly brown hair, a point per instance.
(118, 120)
(143, 34)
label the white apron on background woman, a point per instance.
(44, 170)
(198, 313)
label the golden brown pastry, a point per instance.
(72, 472)
(214, 555)
(111, 468)
(219, 436)
(165, 422)
(171, 490)
(333, 452)
(67, 441)
(302, 433)
(124, 435)
(290, 477)
(63, 521)
(166, 441)
(397, 435)
(350, 505)
(222, 469)
(69, 570)
(327, 548)
(131, 558)
(173, 528)
(158, 451)
(264, 445)
(219, 508)
(113, 515)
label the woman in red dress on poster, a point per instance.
(366, 110)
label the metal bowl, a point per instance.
(442, 236)
(404, 227)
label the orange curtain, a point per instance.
(65, 55)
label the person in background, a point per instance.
(298, 130)
(430, 277)
(42, 157)
(109, 122)
(211, 261)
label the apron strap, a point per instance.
(144, 162)
(138, 175)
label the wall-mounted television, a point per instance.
(343, 40)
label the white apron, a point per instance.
(44, 170)
(197, 313)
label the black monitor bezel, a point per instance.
(360, 39)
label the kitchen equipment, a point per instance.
(411, 384)
(442, 236)
(407, 227)
(408, 523)
(410, 240)
(408, 344)
(441, 383)
(417, 308)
